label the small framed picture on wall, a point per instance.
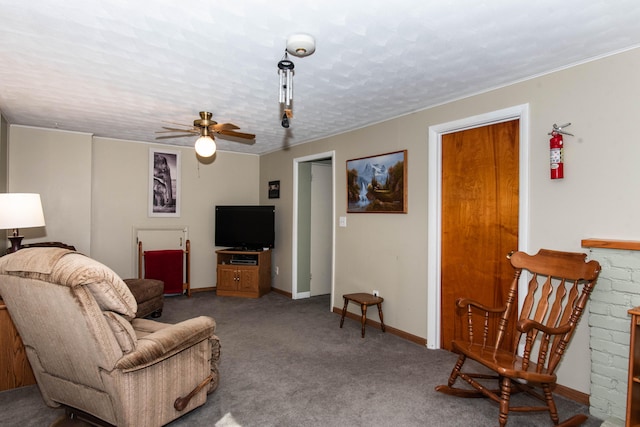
(274, 189)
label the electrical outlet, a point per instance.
(376, 293)
(277, 270)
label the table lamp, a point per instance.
(20, 210)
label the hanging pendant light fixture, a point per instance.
(299, 45)
(205, 145)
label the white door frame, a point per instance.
(294, 233)
(520, 112)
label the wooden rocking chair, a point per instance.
(547, 321)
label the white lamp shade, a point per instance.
(20, 210)
(205, 146)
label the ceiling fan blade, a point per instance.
(168, 129)
(234, 138)
(223, 126)
(190, 135)
(175, 123)
(237, 134)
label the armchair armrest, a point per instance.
(526, 325)
(464, 302)
(167, 341)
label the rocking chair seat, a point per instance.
(503, 362)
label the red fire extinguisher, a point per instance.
(556, 148)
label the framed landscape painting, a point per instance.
(164, 183)
(377, 184)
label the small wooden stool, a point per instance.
(364, 300)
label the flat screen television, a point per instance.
(245, 227)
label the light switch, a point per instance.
(343, 221)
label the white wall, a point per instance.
(4, 172)
(596, 199)
(4, 149)
(57, 165)
(94, 191)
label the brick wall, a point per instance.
(617, 290)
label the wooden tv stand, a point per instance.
(243, 273)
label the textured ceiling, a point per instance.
(121, 69)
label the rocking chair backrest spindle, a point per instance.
(553, 299)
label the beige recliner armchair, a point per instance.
(88, 352)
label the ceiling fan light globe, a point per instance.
(205, 146)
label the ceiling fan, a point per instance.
(205, 127)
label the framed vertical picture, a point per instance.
(164, 183)
(377, 184)
(274, 189)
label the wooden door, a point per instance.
(480, 184)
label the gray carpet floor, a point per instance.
(287, 363)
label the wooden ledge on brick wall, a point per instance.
(631, 245)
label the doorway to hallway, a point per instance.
(313, 226)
